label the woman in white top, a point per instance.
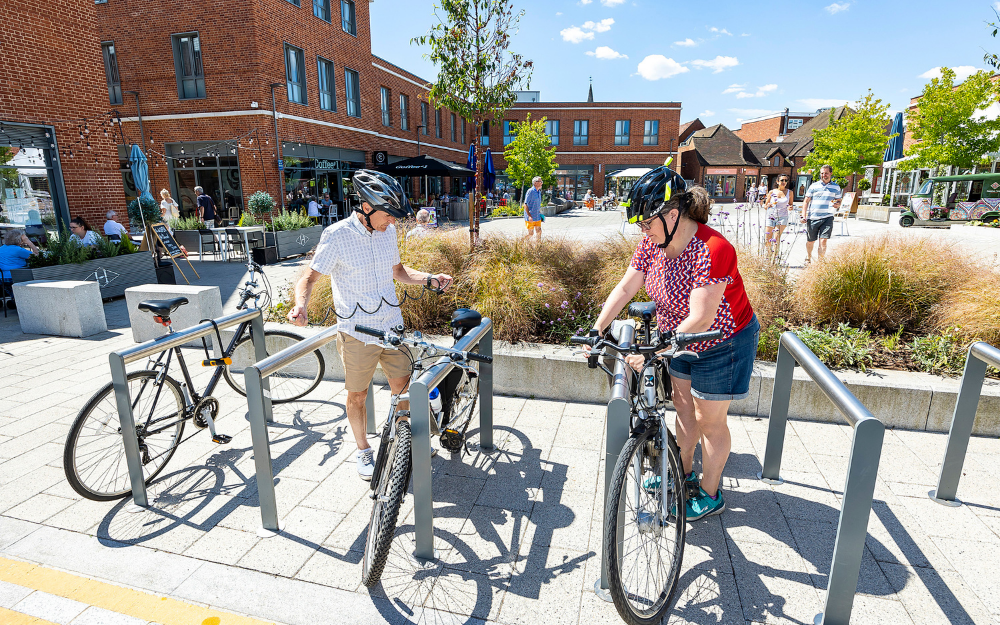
(82, 233)
(761, 190)
(778, 201)
(168, 207)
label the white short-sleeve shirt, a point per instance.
(360, 264)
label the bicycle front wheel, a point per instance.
(291, 383)
(392, 484)
(94, 454)
(643, 530)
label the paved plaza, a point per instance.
(517, 530)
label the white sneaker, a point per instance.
(366, 463)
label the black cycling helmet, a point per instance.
(382, 192)
(651, 192)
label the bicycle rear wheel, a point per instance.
(289, 384)
(94, 453)
(392, 484)
(643, 532)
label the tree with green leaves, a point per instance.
(478, 75)
(530, 154)
(948, 125)
(855, 140)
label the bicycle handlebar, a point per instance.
(379, 334)
(477, 357)
(395, 339)
(678, 340)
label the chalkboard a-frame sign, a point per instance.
(173, 249)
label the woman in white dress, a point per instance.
(168, 207)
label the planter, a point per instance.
(870, 212)
(293, 242)
(187, 238)
(113, 275)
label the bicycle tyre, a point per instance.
(289, 384)
(392, 487)
(102, 477)
(628, 600)
(462, 398)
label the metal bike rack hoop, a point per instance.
(980, 356)
(119, 379)
(862, 469)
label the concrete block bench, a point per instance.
(60, 307)
(204, 302)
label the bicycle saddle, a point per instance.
(162, 307)
(646, 310)
(463, 320)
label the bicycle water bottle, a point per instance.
(435, 397)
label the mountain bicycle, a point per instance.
(393, 463)
(645, 522)
(94, 453)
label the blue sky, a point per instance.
(724, 61)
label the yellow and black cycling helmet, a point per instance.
(652, 191)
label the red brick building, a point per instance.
(55, 157)
(772, 127)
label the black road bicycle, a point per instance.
(645, 522)
(393, 465)
(94, 453)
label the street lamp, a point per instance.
(277, 147)
(142, 136)
(418, 137)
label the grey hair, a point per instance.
(423, 216)
(111, 214)
(826, 167)
(536, 179)
(199, 190)
(12, 237)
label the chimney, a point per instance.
(784, 123)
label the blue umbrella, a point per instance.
(894, 151)
(140, 172)
(490, 177)
(470, 182)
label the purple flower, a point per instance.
(541, 284)
(559, 319)
(565, 304)
(578, 293)
(553, 289)
(573, 311)
(546, 305)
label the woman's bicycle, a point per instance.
(94, 453)
(645, 523)
(391, 477)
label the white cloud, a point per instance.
(689, 43)
(745, 94)
(657, 66)
(734, 88)
(961, 72)
(573, 34)
(744, 34)
(707, 113)
(996, 6)
(721, 31)
(612, 3)
(717, 64)
(837, 7)
(585, 2)
(604, 52)
(601, 27)
(767, 88)
(558, 13)
(823, 103)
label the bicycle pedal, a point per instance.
(221, 439)
(452, 440)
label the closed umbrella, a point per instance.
(490, 174)
(470, 183)
(894, 151)
(140, 174)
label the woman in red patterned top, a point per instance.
(691, 272)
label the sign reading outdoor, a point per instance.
(163, 234)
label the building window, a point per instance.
(508, 132)
(776, 161)
(437, 123)
(327, 91)
(454, 129)
(297, 3)
(321, 9)
(552, 130)
(485, 139)
(581, 132)
(404, 112)
(111, 73)
(720, 186)
(352, 92)
(651, 132)
(187, 66)
(347, 17)
(295, 75)
(463, 132)
(622, 127)
(386, 105)
(424, 121)
(794, 124)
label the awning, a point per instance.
(631, 172)
(425, 166)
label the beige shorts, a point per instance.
(360, 360)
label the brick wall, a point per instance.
(765, 129)
(53, 71)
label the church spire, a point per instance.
(590, 91)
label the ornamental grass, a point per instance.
(971, 310)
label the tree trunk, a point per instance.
(474, 209)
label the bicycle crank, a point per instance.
(452, 440)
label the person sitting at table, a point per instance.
(82, 232)
(312, 209)
(14, 252)
(112, 227)
(423, 218)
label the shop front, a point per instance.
(31, 185)
(573, 181)
(750, 180)
(721, 183)
(214, 167)
(315, 170)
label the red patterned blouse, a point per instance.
(708, 259)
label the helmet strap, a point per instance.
(368, 217)
(669, 236)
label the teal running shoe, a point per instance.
(652, 483)
(704, 506)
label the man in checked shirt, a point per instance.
(361, 256)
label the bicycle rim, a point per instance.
(291, 383)
(385, 508)
(644, 535)
(94, 454)
(463, 402)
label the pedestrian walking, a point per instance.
(533, 209)
(752, 195)
(168, 207)
(206, 207)
(822, 200)
(761, 190)
(776, 218)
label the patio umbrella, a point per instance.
(894, 151)
(490, 177)
(140, 174)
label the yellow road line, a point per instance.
(135, 603)
(9, 617)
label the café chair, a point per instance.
(209, 244)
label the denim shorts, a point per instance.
(722, 372)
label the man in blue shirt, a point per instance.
(206, 207)
(822, 200)
(533, 208)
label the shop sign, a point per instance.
(380, 158)
(751, 172)
(731, 171)
(325, 164)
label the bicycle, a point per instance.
(645, 524)
(94, 453)
(393, 465)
